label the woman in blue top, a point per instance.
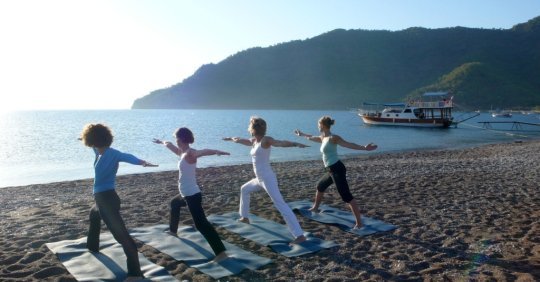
(336, 171)
(107, 202)
(190, 193)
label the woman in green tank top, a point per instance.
(336, 171)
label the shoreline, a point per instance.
(308, 159)
(466, 213)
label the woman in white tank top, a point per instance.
(265, 178)
(190, 193)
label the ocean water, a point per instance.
(42, 146)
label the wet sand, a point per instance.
(468, 214)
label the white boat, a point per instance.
(436, 113)
(501, 115)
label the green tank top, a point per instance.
(329, 152)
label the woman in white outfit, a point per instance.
(265, 178)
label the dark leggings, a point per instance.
(194, 204)
(107, 207)
(336, 173)
(176, 203)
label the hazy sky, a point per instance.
(103, 54)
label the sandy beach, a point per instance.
(468, 214)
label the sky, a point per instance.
(104, 54)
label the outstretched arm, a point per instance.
(131, 159)
(308, 136)
(147, 164)
(209, 152)
(284, 143)
(340, 141)
(168, 144)
(192, 155)
(238, 140)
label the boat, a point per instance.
(501, 115)
(437, 112)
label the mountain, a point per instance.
(340, 69)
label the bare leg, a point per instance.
(356, 212)
(317, 203)
(220, 257)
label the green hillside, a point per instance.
(482, 68)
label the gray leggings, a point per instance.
(107, 207)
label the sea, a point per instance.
(42, 146)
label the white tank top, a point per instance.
(260, 157)
(187, 181)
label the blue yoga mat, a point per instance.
(270, 233)
(344, 219)
(107, 265)
(190, 247)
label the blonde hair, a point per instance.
(326, 121)
(257, 126)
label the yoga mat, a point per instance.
(190, 247)
(270, 233)
(107, 265)
(344, 219)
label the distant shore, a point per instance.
(462, 214)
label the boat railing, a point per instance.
(367, 112)
(437, 104)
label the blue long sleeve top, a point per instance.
(106, 167)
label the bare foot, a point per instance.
(298, 240)
(314, 209)
(356, 227)
(221, 257)
(244, 220)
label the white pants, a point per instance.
(269, 184)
